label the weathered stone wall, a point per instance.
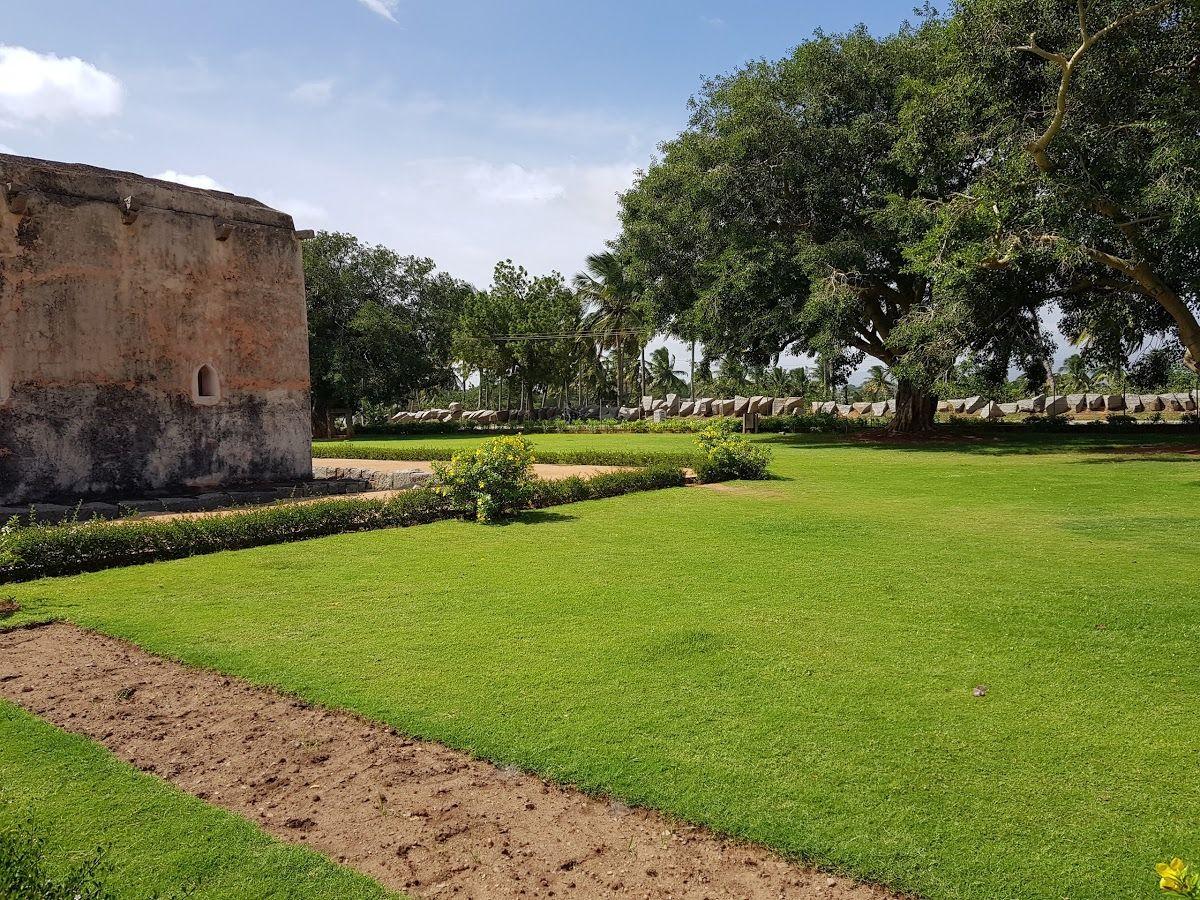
(108, 313)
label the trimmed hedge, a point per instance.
(406, 452)
(37, 551)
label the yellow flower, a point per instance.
(1176, 877)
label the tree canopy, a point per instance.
(925, 195)
(380, 324)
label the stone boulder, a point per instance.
(1095, 402)
(1077, 403)
(1056, 406)
(973, 405)
(990, 411)
(1009, 409)
(686, 408)
(1035, 404)
(1114, 402)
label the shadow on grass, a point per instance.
(1005, 441)
(539, 517)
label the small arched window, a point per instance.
(206, 386)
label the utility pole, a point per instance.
(692, 377)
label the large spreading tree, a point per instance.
(781, 218)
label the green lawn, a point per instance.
(791, 661)
(156, 839)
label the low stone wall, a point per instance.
(376, 479)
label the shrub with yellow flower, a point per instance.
(1177, 877)
(490, 482)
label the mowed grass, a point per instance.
(157, 841)
(789, 661)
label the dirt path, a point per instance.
(543, 471)
(415, 815)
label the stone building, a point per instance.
(152, 337)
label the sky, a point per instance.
(468, 132)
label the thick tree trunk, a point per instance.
(322, 423)
(914, 410)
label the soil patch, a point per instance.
(415, 815)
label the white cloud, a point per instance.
(206, 182)
(4, 148)
(304, 213)
(314, 93)
(42, 87)
(385, 8)
(713, 21)
(514, 184)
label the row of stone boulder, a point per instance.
(1070, 404)
(673, 406)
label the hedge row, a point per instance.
(37, 551)
(417, 453)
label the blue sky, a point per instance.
(465, 131)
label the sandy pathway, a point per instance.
(543, 471)
(415, 815)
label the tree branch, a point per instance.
(1038, 148)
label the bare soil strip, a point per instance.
(415, 815)
(544, 471)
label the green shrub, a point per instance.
(35, 551)
(727, 455)
(605, 484)
(25, 875)
(491, 482)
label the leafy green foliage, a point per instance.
(380, 324)
(1084, 122)
(38, 550)
(26, 875)
(516, 327)
(727, 456)
(491, 482)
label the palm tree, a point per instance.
(775, 382)
(615, 314)
(1075, 370)
(877, 386)
(801, 384)
(664, 377)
